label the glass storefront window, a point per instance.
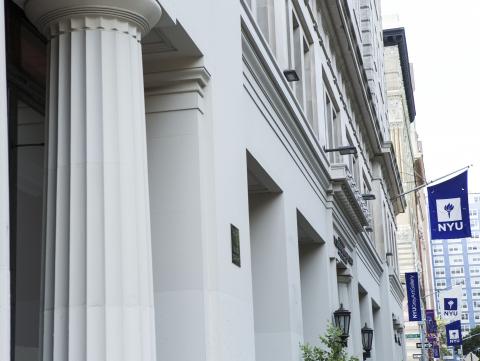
(26, 72)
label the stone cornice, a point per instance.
(143, 14)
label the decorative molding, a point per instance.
(396, 37)
(84, 23)
(396, 288)
(198, 75)
(45, 14)
(180, 89)
(350, 199)
(156, 43)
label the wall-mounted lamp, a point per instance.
(291, 75)
(342, 321)
(367, 339)
(344, 150)
(368, 196)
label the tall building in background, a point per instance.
(412, 237)
(457, 262)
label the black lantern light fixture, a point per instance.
(342, 321)
(343, 150)
(367, 338)
(291, 75)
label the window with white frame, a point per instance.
(476, 304)
(474, 224)
(455, 260)
(297, 59)
(353, 163)
(438, 261)
(465, 316)
(266, 21)
(310, 86)
(334, 130)
(465, 328)
(440, 283)
(475, 235)
(473, 213)
(439, 272)
(456, 271)
(473, 245)
(475, 282)
(437, 249)
(474, 270)
(475, 293)
(474, 258)
(455, 248)
(458, 281)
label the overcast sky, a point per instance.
(444, 47)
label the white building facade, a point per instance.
(167, 194)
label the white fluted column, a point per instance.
(4, 205)
(98, 272)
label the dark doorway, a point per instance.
(26, 75)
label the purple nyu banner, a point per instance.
(413, 296)
(448, 205)
(454, 333)
(431, 323)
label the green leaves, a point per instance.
(332, 349)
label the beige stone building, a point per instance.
(412, 235)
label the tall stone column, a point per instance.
(98, 302)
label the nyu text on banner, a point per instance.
(448, 206)
(413, 296)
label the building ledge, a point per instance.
(349, 197)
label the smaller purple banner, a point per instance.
(413, 296)
(430, 321)
(454, 333)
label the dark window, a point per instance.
(26, 74)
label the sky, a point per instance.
(444, 46)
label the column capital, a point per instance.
(143, 14)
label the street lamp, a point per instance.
(343, 150)
(367, 338)
(342, 321)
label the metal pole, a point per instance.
(422, 339)
(428, 183)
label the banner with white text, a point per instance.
(448, 205)
(413, 297)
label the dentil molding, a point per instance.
(93, 14)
